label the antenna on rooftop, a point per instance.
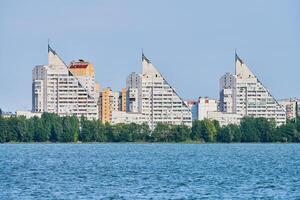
(49, 45)
(234, 60)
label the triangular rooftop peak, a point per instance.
(241, 69)
(148, 67)
(53, 58)
(145, 58)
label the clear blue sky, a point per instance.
(191, 42)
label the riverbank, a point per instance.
(193, 142)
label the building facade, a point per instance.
(28, 114)
(121, 117)
(291, 107)
(227, 93)
(134, 92)
(224, 118)
(160, 103)
(64, 90)
(206, 105)
(110, 101)
(123, 99)
(153, 99)
(244, 95)
(193, 106)
(252, 98)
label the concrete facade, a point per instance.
(291, 107)
(206, 105)
(28, 114)
(64, 90)
(244, 95)
(150, 95)
(120, 117)
(110, 101)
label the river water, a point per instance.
(149, 171)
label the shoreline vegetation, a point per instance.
(51, 128)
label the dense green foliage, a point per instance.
(52, 128)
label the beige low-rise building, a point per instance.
(120, 117)
(224, 118)
(28, 114)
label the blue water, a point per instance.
(149, 171)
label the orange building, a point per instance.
(111, 101)
(104, 106)
(123, 99)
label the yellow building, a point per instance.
(111, 101)
(123, 99)
(104, 106)
(97, 89)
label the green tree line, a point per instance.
(52, 128)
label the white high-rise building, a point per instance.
(133, 96)
(250, 97)
(57, 88)
(227, 93)
(153, 100)
(159, 101)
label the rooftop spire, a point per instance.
(241, 69)
(50, 49)
(237, 58)
(145, 58)
(53, 58)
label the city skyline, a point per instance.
(148, 97)
(116, 46)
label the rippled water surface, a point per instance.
(149, 171)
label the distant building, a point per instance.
(108, 102)
(244, 95)
(193, 106)
(133, 87)
(120, 117)
(7, 114)
(227, 93)
(224, 118)
(206, 105)
(291, 107)
(65, 90)
(205, 108)
(123, 99)
(160, 103)
(28, 114)
(111, 101)
(252, 98)
(153, 100)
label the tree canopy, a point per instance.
(52, 128)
